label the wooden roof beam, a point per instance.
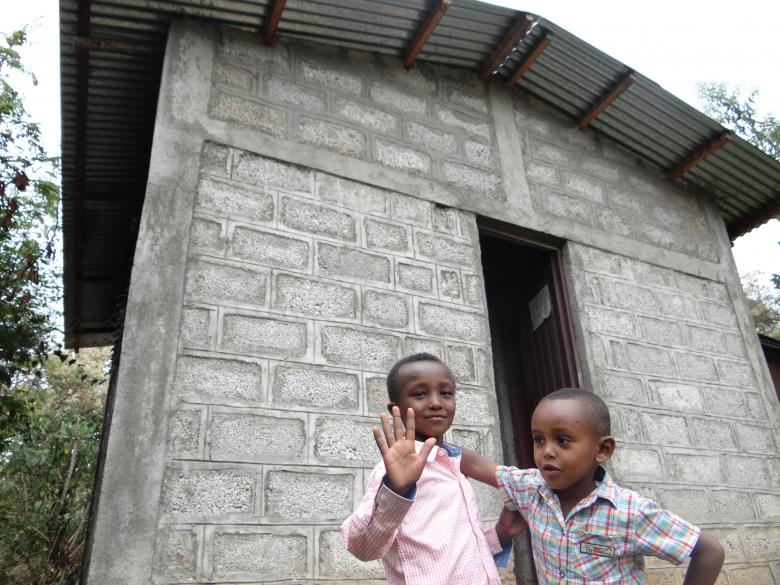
(535, 53)
(752, 221)
(434, 16)
(115, 46)
(701, 154)
(521, 26)
(272, 22)
(608, 98)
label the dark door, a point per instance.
(534, 350)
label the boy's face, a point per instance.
(429, 390)
(567, 448)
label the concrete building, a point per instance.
(312, 210)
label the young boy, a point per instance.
(419, 514)
(585, 528)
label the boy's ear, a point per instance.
(606, 448)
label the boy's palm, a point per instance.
(403, 465)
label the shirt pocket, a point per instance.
(595, 555)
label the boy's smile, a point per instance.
(566, 448)
(428, 389)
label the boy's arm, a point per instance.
(500, 538)
(475, 466)
(403, 464)
(706, 560)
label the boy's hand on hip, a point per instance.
(403, 465)
(510, 525)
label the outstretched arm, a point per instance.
(475, 466)
(403, 464)
(706, 560)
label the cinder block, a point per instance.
(600, 169)
(466, 99)
(732, 506)
(720, 315)
(693, 505)
(398, 99)
(315, 388)
(449, 284)
(430, 137)
(210, 281)
(762, 543)
(664, 429)
(650, 360)
(241, 554)
(726, 402)
(244, 46)
(342, 139)
(422, 345)
(695, 367)
(286, 91)
(542, 174)
(396, 156)
(345, 441)
(463, 122)
(701, 287)
(583, 186)
(301, 495)
(610, 322)
(351, 194)
(386, 309)
(376, 395)
(472, 289)
(731, 542)
(195, 328)
(269, 248)
(261, 335)
(217, 380)
(389, 236)
(673, 305)
(238, 436)
(230, 108)
(215, 159)
(419, 78)
(330, 76)
(440, 248)
(473, 180)
(206, 236)
(362, 115)
(736, 373)
(621, 389)
(756, 439)
(631, 464)
(445, 219)
(714, 434)
(592, 260)
(735, 345)
(475, 407)
(266, 172)
(176, 557)
(411, 209)
(184, 436)
(317, 219)
(547, 152)
(460, 359)
(629, 425)
(469, 439)
(479, 153)
(204, 492)
(352, 263)
(233, 76)
(336, 562)
(660, 331)
(566, 206)
(414, 278)
(354, 347)
(314, 297)
(485, 368)
(676, 396)
(632, 297)
(230, 199)
(768, 506)
(650, 274)
(696, 469)
(438, 320)
(752, 575)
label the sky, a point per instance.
(676, 43)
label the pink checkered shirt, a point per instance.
(434, 539)
(605, 536)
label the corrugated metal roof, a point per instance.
(109, 102)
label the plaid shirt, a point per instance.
(605, 536)
(434, 537)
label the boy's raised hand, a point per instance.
(403, 465)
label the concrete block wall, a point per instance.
(301, 290)
(310, 218)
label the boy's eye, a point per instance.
(539, 440)
(564, 440)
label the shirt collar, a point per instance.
(450, 450)
(604, 487)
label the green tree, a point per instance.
(764, 303)
(29, 201)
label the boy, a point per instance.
(585, 528)
(419, 514)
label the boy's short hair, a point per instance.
(392, 375)
(594, 408)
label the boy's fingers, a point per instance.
(398, 424)
(410, 424)
(430, 443)
(387, 429)
(379, 442)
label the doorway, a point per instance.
(532, 333)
